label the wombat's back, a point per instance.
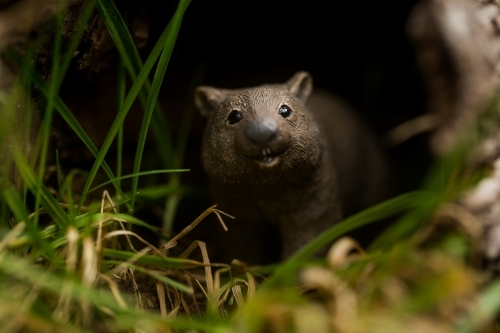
(359, 161)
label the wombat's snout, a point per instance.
(263, 140)
(261, 131)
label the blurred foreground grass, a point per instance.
(67, 265)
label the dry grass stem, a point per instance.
(343, 252)
(114, 290)
(410, 128)
(12, 235)
(171, 243)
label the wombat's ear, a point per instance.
(207, 99)
(300, 85)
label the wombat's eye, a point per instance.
(285, 111)
(234, 117)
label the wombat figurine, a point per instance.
(279, 156)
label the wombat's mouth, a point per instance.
(268, 158)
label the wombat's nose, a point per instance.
(261, 130)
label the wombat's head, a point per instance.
(263, 135)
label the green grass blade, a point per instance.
(145, 173)
(27, 82)
(439, 181)
(17, 207)
(36, 186)
(407, 225)
(147, 259)
(120, 34)
(109, 310)
(70, 119)
(56, 74)
(84, 221)
(115, 127)
(179, 286)
(157, 191)
(485, 310)
(383, 210)
(132, 61)
(59, 177)
(53, 89)
(67, 189)
(134, 91)
(90, 221)
(60, 66)
(22, 269)
(120, 98)
(155, 87)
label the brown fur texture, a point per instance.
(299, 173)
